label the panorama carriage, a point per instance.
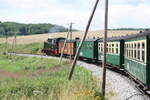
(115, 51)
(137, 56)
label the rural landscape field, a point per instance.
(37, 78)
(31, 78)
(24, 78)
(74, 50)
(43, 37)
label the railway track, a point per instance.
(136, 93)
(130, 79)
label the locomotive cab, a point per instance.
(51, 46)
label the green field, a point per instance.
(33, 48)
(33, 78)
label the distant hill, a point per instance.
(10, 28)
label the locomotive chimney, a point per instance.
(141, 31)
(77, 38)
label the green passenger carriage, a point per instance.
(89, 49)
(137, 56)
(115, 51)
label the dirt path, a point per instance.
(6, 74)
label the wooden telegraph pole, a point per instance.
(6, 42)
(70, 40)
(62, 51)
(105, 48)
(69, 32)
(81, 43)
(14, 43)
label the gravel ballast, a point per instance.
(122, 86)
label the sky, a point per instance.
(122, 13)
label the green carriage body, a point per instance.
(89, 49)
(115, 51)
(137, 57)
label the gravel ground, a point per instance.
(122, 86)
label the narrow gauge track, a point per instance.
(132, 81)
(137, 94)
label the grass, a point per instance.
(33, 48)
(45, 79)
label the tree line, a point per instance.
(11, 28)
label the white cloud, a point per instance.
(129, 16)
(121, 13)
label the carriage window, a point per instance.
(138, 45)
(109, 48)
(99, 47)
(116, 45)
(99, 44)
(143, 45)
(143, 52)
(125, 50)
(112, 45)
(143, 56)
(135, 51)
(117, 49)
(138, 51)
(112, 48)
(102, 48)
(138, 55)
(128, 50)
(132, 50)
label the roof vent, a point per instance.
(77, 38)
